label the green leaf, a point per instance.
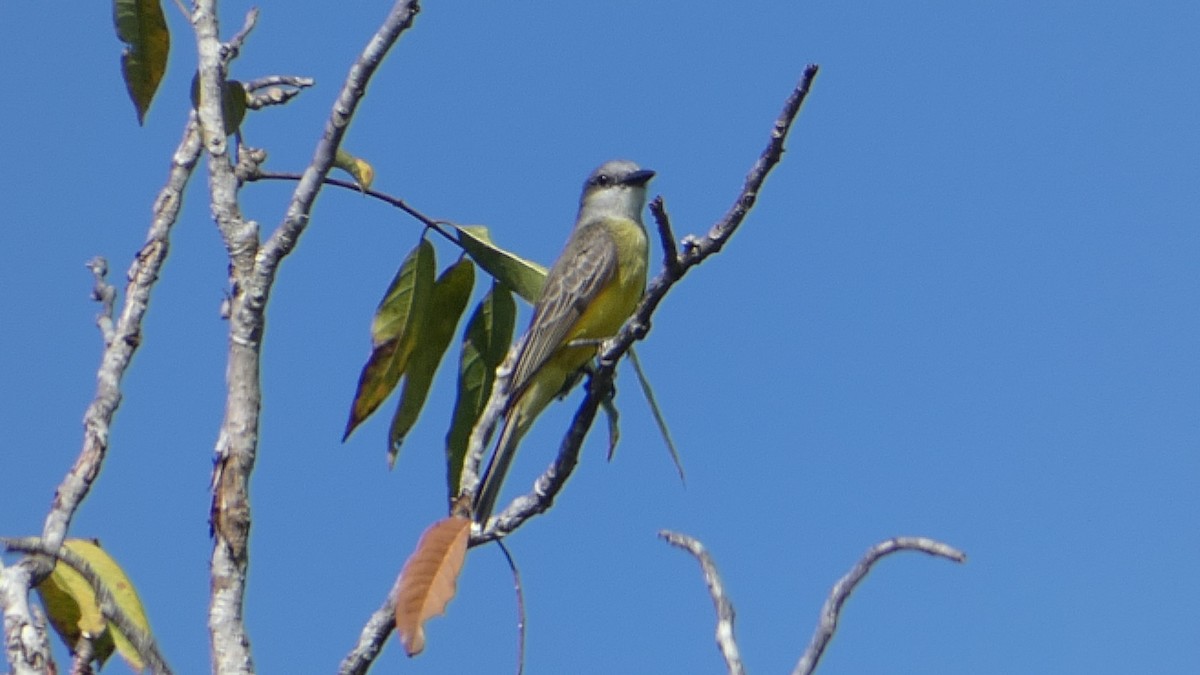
(657, 412)
(394, 333)
(485, 343)
(233, 102)
(447, 302)
(142, 27)
(521, 275)
(397, 310)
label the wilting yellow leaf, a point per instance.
(73, 610)
(360, 169)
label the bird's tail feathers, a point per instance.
(497, 469)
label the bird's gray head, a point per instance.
(616, 189)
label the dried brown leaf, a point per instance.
(429, 579)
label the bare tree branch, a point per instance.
(283, 240)
(121, 339)
(846, 585)
(373, 636)
(725, 614)
(252, 275)
(26, 642)
(238, 438)
(142, 641)
(695, 251)
(665, 235)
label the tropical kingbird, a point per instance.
(591, 290)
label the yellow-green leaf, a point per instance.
(73, 610)
(143, 28)
(362, 172)
(521, 275)
(447, 302)
(233, 102)
(394, 333)
(485, 343)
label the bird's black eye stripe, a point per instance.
(603, 180)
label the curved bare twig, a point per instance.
(846, 585)
(725, 613)
(431, 223)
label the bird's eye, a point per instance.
(604, 180)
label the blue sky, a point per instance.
(965, 307)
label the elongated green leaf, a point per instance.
(396, 311)
(447, 302)
(485, 343)
(657, 412)
(143, 28)
(233, 102)
(521, 275)
(394, 333)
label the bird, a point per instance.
(591, 289)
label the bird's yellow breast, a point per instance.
(616, 301)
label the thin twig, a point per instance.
(103, 293)
(143, 643)
(373, 635)
(431, 223)
(121, 340)
(85, 651)
(845, 586)
(519, 589)
(726, 641)
(665, 235)
(600, 385)
(283, 240)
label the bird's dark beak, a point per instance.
(639, 177)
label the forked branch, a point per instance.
(695, 251)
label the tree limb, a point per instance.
(121, 339)
(26, 643)
(694, 252)
(283, 240)
(373, 635)
(238, 438)
(252, 275)
(830, 613)
(725, 613)
(141, 640)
